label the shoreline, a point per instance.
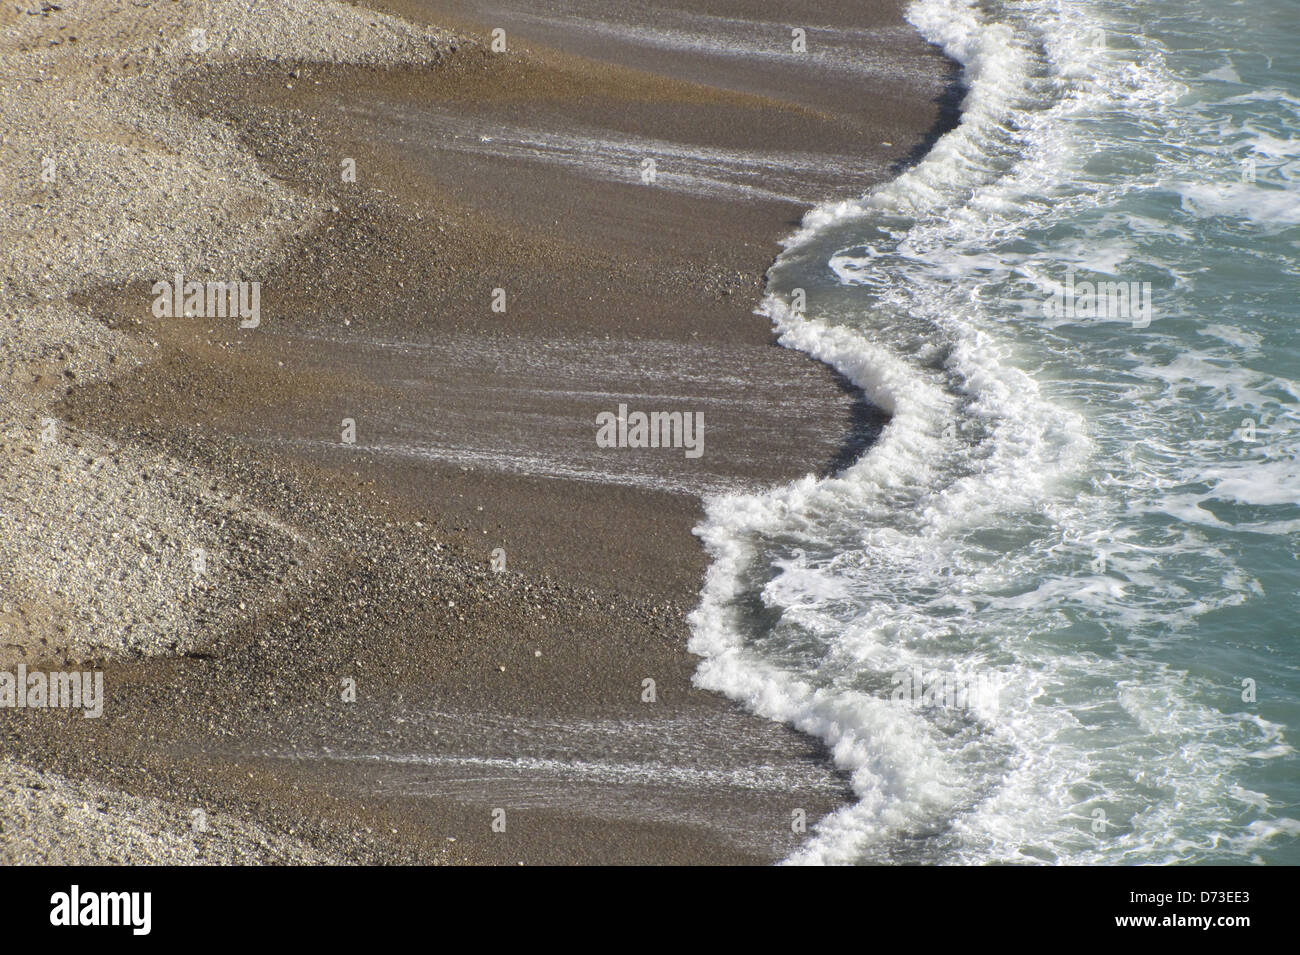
(371, 562)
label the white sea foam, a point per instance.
(991, 532)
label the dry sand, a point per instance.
(330, 562)
(105, 181)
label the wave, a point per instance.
(970, 544)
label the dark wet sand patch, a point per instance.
(617, 291)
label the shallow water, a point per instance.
(1080, 523)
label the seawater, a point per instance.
(1093, 518)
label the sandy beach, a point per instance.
(368, 644)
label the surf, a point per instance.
(990, 534)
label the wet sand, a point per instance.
(521, 690)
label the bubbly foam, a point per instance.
(1056, 507)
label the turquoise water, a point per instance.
(1087, 522)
